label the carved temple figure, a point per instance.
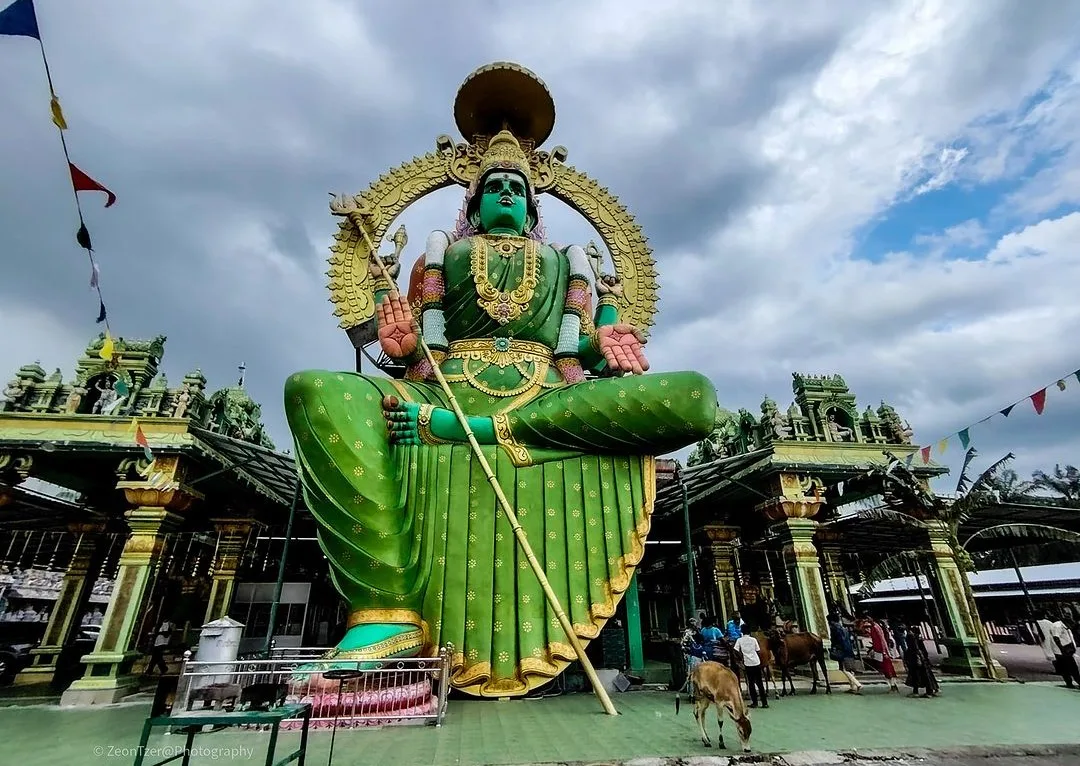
(14, 390)
(775, 420)
(407, 520)
(74, 399)
(107, 397)
(183, 400)
(840, 433)
(899, 431)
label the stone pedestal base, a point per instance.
(43, 669)
(108, 679)
(965, 659)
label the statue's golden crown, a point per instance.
(504, 152)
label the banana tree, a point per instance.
(909, 502)
(1063, 482)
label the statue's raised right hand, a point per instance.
(397, 333)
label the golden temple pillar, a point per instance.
(75, 587)
(795, 527)
(157, 505)
(836, 581)
(721, 540)
(232, 537)
(963, 626)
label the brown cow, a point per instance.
(714, 684)
(791, 651)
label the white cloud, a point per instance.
(758, 142)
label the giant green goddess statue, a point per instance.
(552, 382)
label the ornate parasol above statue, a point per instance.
(495, 97)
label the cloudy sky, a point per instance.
(888, 190)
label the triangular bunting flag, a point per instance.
(1038, 400)
(19, 19)
(121, 387)
(82, 236)
(101, 311)
(925, 452)
(1077, 376)
(140, 439)
(95, 276)
(908, 459)
(108, 348)
(57, 113)
(1007, 410)
(1061, 385)
(965, 438)
(82, 182)
(943, 445)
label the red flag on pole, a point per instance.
(925, 452)
(82, 182)
(140, 439)
(1039, 400)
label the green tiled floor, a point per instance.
(574, 728)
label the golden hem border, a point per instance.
(532, 672)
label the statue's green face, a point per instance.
(504, 203)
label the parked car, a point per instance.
(13, 658)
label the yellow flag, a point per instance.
(943, 445)
(108, 348)
(58, 114)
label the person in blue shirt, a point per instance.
(734, 628)
(710, 632)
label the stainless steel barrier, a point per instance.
(386, 692)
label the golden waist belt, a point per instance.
(501, 352)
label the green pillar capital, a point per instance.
(232, 537)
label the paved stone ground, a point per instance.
(572, 729)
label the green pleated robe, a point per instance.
(414, 534)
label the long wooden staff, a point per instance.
(519, 533)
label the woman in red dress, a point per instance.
(878, 657)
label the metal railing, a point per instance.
(385, 692)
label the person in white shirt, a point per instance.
(1058, 645)
(1065, 648)
(749, 651)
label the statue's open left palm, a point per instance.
(397, 334)
(621, 345)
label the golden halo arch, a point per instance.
(377, 207)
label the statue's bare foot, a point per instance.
(401, 420)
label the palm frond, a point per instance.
(898, 565)
(986, 478)
(979, 494)
(881, 514)
(1022, 531)
(964, 481)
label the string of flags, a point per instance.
(1037, 400)
(19, 19)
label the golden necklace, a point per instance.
(505, 305)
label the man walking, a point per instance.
(157, 651)
(750, 651)
(1058, 645)
(843, 652)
